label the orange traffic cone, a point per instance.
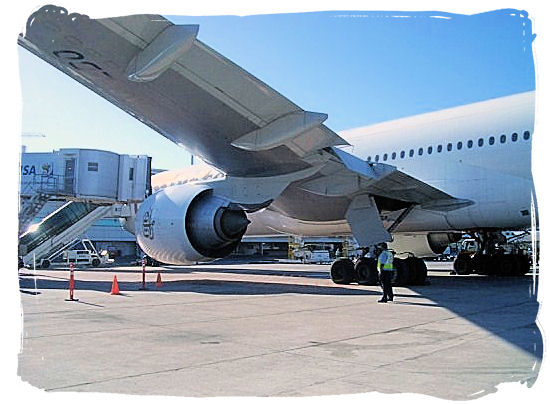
(114, 288)
(158, 284)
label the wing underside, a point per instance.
(162, 75)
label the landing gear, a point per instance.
(409, 271)
(492, 258)
(463, 264)
(367, 273)
(343, 272)
(418, 272)
(495, 265)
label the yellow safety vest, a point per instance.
(387, 257)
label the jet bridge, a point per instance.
(95, 184)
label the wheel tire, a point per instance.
(482, 264)
(342, 271)
(366, 271)
(401, 272)
(491, 265)
(417, 271)
(523, 264)
(462, 265)
(45, 264)
(96, 262)
(506, 265)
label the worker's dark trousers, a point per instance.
(385, 280)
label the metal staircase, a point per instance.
(29, 208)
(58, 230)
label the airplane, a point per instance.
(274, 168)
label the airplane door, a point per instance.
(68, 185)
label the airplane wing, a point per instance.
(162, 75)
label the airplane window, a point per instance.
(514, 137)
(480, 142)
(470, 144)
(430, 149)
(393, 155)
(439, 148)
(402, 154)
(459, 145)
(492, 140)
(502, 138)
(411, 153)
(450, 147)
(376, 158)
(420, 151)
(385, 157)
(526, 135)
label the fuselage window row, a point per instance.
(480, 142)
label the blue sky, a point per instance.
(366, 67)
(358, 67)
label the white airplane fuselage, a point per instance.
(479, 152)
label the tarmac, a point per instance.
(275, 329)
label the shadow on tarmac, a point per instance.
(208, 286)
(504, 306)
(203, 269)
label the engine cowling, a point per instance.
(188, 223)
(423, 245)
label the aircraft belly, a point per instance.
(306, 206)
(269, 222)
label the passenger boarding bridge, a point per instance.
(95, 184)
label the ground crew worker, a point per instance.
(385, 267)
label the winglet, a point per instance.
(162, 52)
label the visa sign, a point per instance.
(40, 169)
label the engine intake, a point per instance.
(214, 230)
(188, 223)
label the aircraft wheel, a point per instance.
(462, 265)
(342, 271)
(506, 265)
(523, 265)
(483, 264)
(401, 272)
(417, 271)
(367, 273)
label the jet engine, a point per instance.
(423, 245)
(187, 223)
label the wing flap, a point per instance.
(347, 175)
